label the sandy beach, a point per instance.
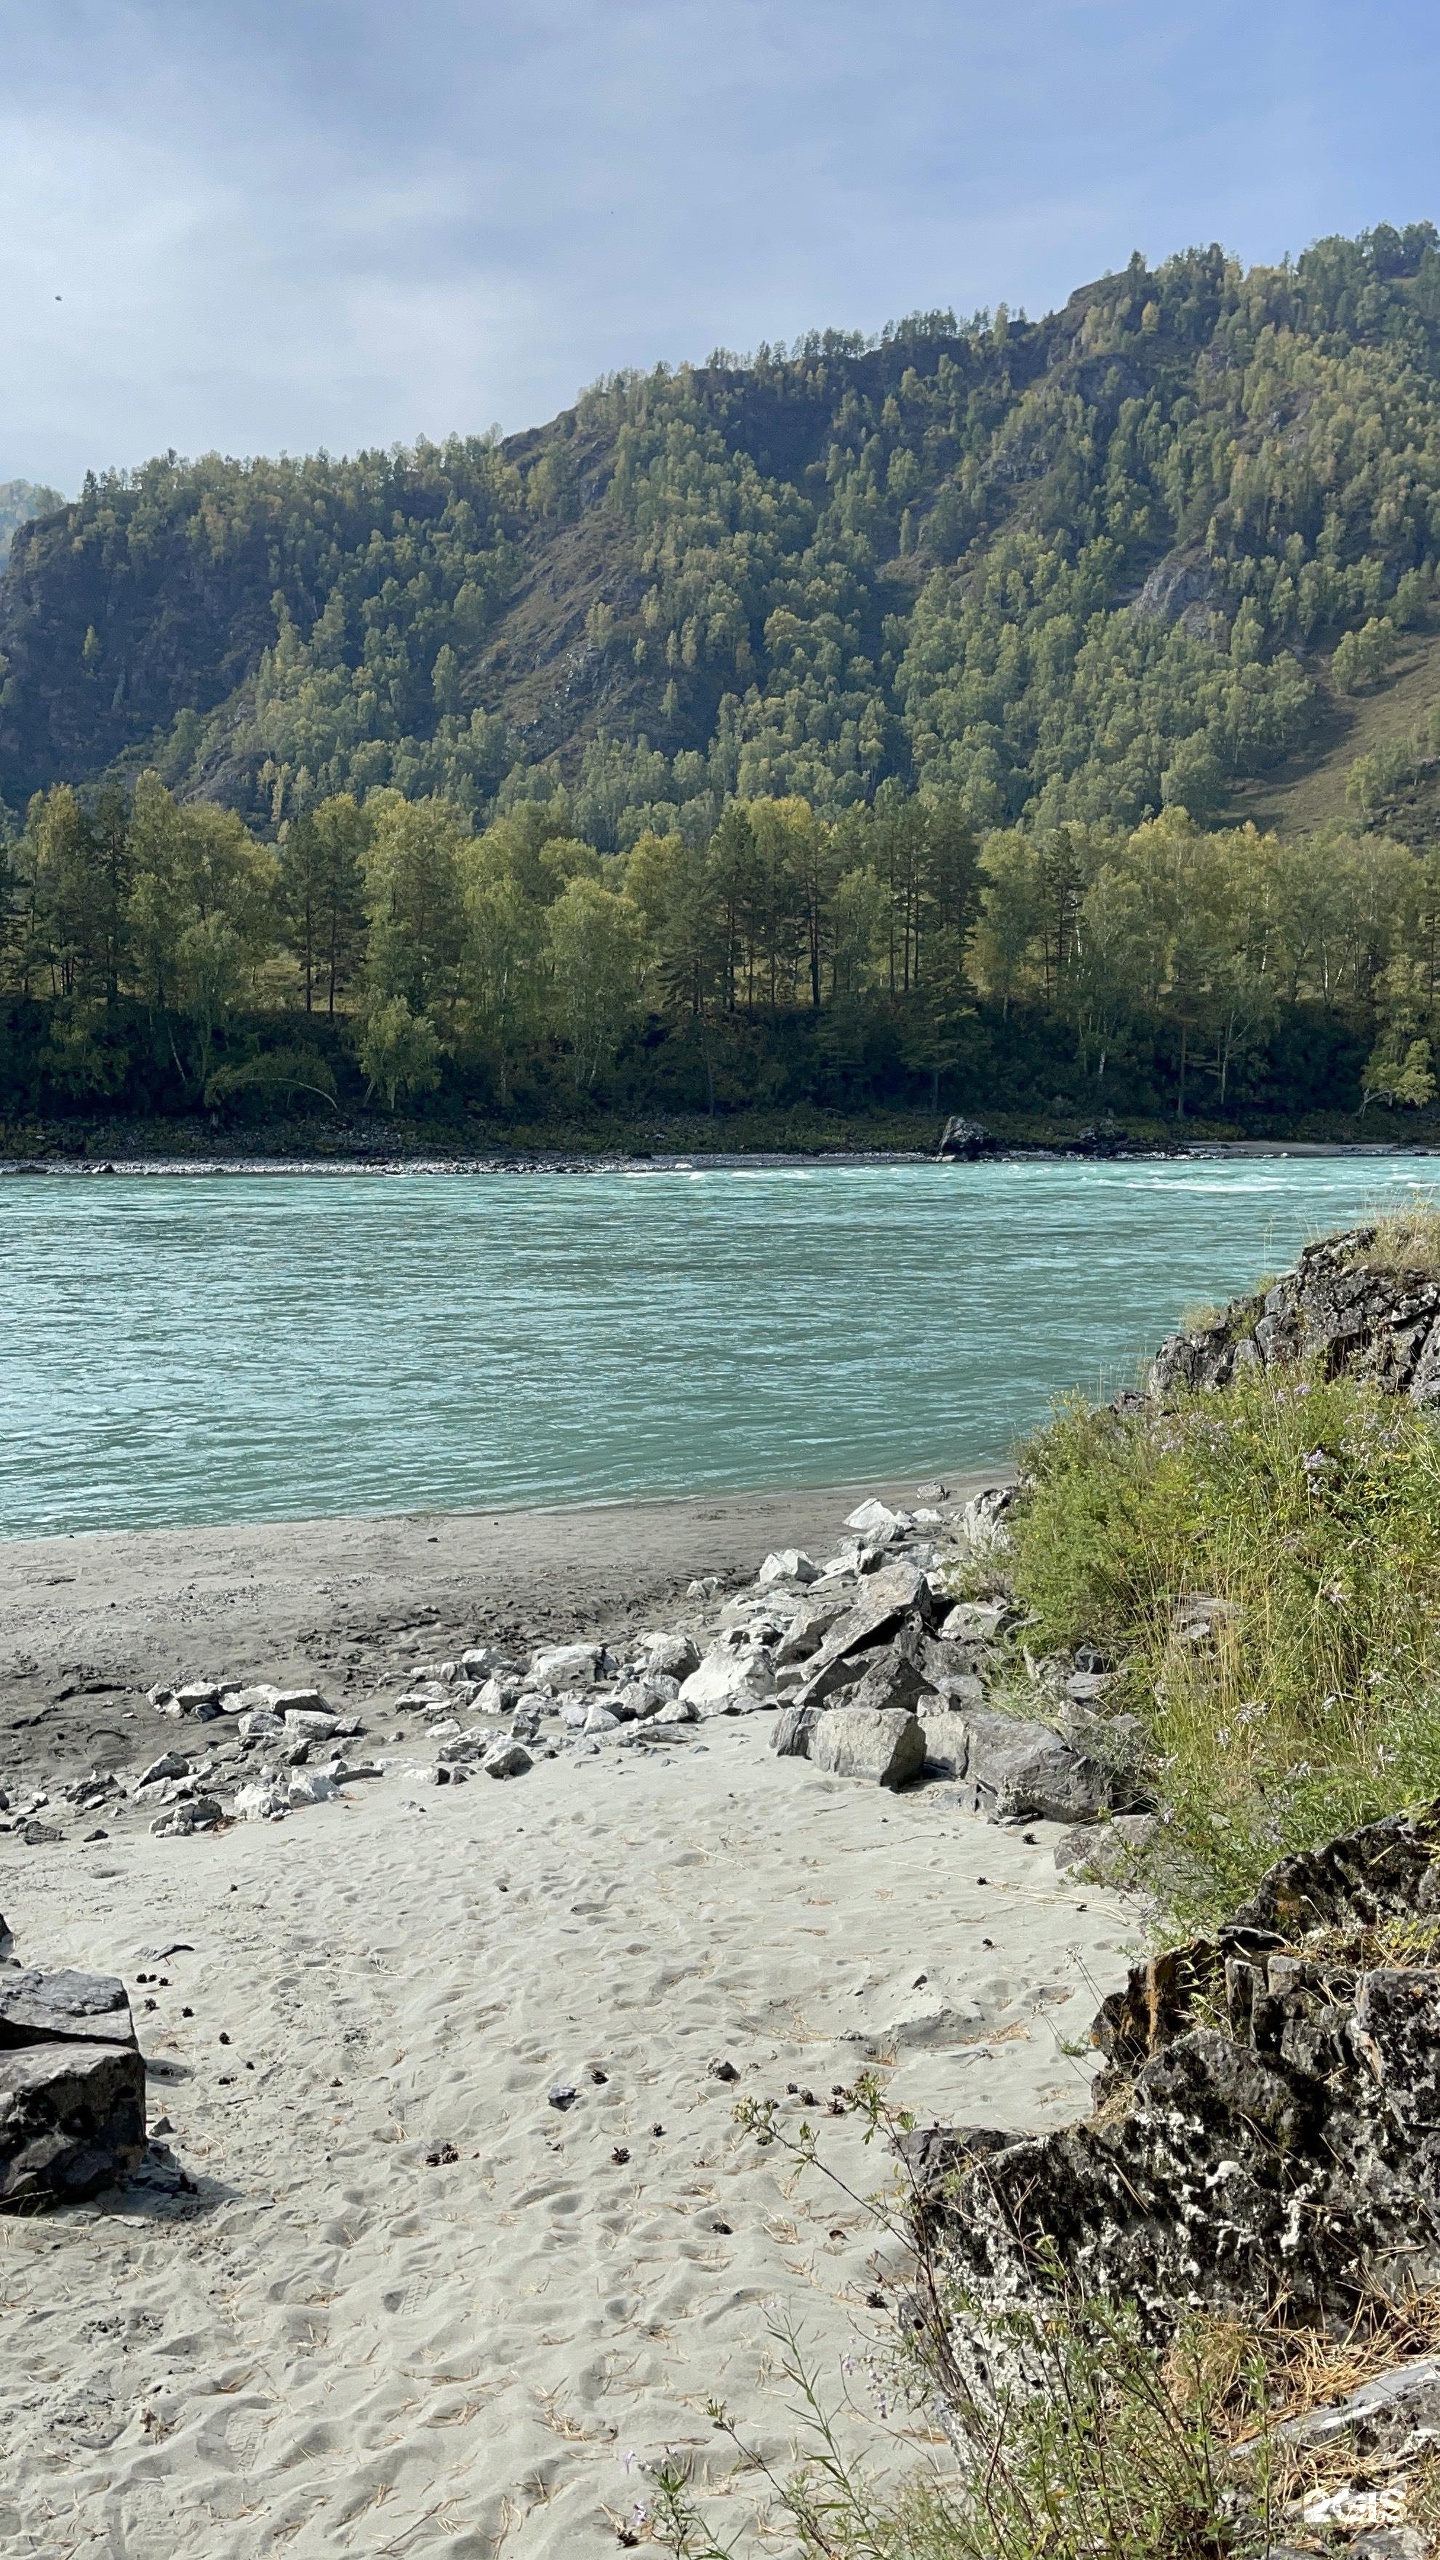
(398, 2299)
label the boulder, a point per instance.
(679, 1711)
(904, 1605)
(790, 1734)
(962, 1140)
(309, 1724)
(1334, 1308)
(671, 1657)
(786, 1564)
(1106, 1852)
(982, 1522)
(947, 1742)
(875, 1519)
(72, 2118)
(511, 1760)
(891, 1679)
(72, 2087)
(1015, 1767)
(809, 1627)
(1266, 2129)
(171, 1764)
(311, 1786)
(729, 1683)
(887, 1748)
(192, 1813)
(262, 1800)
(564, 1666)
(258, 1699)
(65, 2006)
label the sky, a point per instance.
(340, 223)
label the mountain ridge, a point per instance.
(1070, 568)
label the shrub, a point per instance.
(1309, 1510)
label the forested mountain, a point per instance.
(868, 726)
(1077, 567)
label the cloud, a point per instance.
(339, 222)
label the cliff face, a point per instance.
(1335, 1307)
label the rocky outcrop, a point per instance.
(72, 2088)
(961, 1140)
(1184, 591)
(1266, 2128)
(1333, 1308)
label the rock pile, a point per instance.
(1266, 2129)
(72, 2086)
(1333, 1307)
(868, 1665)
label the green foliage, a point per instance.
(399, 1050)
(881, 947)
(1311, 1509)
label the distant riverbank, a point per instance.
(361, 1142)
(1242, 1150)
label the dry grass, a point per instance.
(1406, 1240)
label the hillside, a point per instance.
(1070, 568)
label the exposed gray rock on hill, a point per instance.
(1335, 1307)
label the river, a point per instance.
(175, 1350)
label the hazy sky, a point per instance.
(339, 222)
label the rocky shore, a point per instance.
(865, 1664)
(442, 2224)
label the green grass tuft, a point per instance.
(1310, 1509)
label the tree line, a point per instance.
(155, 945)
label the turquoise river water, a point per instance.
(188, 1350)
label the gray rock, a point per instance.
(197, 1694)
(564, 1666)
(37, 2007)
(1015, 1767)
(809, 1627)
(891, 1678)
(786, 1564)
(1334, 1308)
(307, 1724)
(72, 2118)
(962, 1140)
(301, 1703)
(887, 1747)
(671, 1657)
(1107, 1852)
(947, 1742)
(1267, 2127)
(903, 1606)
(729, 1682)
(510, 1761)
(791, 1731)
(171, 1764)
(193, 1813)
